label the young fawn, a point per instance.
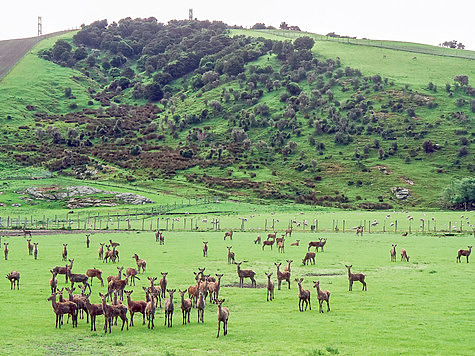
(223, 316)
(355, 277)
(270, 287)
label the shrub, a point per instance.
(136, 150)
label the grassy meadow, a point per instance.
(420, 307)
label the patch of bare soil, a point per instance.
(323, 274)
(246, 285)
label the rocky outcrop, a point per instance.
(400, 192)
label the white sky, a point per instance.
(424, 21)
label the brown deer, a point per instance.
(35, 250)
(230, 255)
(309, 257)
(26, 233)
(169, 308)
(163, 283)
(270, 287)
(205, 248)
(63, 270)
(77, 278)
(30, 247)
(78, 299)
(65, 252)
(101, 251)
(404, 234)
(119, 275)
(88, 240)
(281, 246)
(268, 243)
(245, 273)
(304, 296)
(61, 308)
(5, 250)
(223, 316)
(137, 306)
(280, 239)
(94, 272)
(186, 305)
(359, 230)
(213, 288)
(53, 282)
(296, 243)
(282, 276)
(322, 243)
(162, 239)
(111, 311)
(118, 285)
(93, 310)
(114, 244)
(315, 244)
(322, 296)
(258, 240)
(271, 236)
(109, 254)
(204, 287)
(155, 291)
(200, 305)
(140, 263)
(393, 253)
(150, 310)
(157, 236)
(404, 256)
(14, 276)
(228, 234)
(352, 277)
(287, 268)
(288, 232)
(465, 253)
(132, 274)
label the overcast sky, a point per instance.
(424, 21)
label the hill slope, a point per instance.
(316, 122)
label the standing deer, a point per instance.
(270, 287)
(101, 251)
(94, 272)
(65, 252)
(114, 244)
(355, 277)
(393, 253)
(30, 247)
(359, 230)
(322, 296)
(14, 276)
(150, 310)
(404, 256)
(185, 306)
(88, 240)
(288, 232)
(322, 243)
(35, 250)
(132, 274)
(5, 250)
(138, 306)
(460, 253)
(228, 234)
(287, 268)
(163, 284)
(93, 310)
(304, 296)
(213, 288)
(282, 276)
(281, 246)
(230, 255)
(205, 248)
(63, 270)
(223, 316)
(157, 236)
(245, 273)
(53, 282)
(169, 308)
(77, 278)
(140, 263)
(200, 305)
(268, 243)
(26, 232)
(111, 311)
(61, 308)
(315, 244)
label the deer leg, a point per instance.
(219, 326)
(131, 318)
(328, 305)
(467, 258)
(351, 286)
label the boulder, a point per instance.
(400, 192)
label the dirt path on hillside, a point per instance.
(11, 51)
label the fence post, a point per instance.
(143, 223)
(450, 226)
(333, 225)
(384, 226)
(316, 225)
(343, 225)
(265, 226)
(395, 226)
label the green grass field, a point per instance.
(421, 307)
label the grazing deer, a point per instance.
(132, 274)
(101, 251)
(404, 234)
(53, 282)
(200, 305)
(230, 255)
(315, 244)
(5, 250)
(465, 253)
(65, 252)
(287, 268)
(77, 278)
(163, 284)
(322, 296)
(137, 306)
(186, 305)
(111, 311)
(258, 240)
(359, 230)
(114, 244)
(223, 316)
(35, 250)
(281, 276)
(288, 232)
(404, 256)
(155, 291)
(228, 234)
(169, 308)
(205, 248)
(268, 243)
(140, 263)
(94, 272)
(245, 273)
(270, 287)
(14, 276)
(309, 257)
(30, 247)
(304, 296)
(393, 253)
(26, 232)
(93, 310)
(296, 243)
(281, 246)
(63, 270)
(88, 240)
(61, 308)
(355, 277)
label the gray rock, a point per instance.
(400, 192)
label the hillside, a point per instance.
(197, 107)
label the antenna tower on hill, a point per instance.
(40, 26)
(190, 14)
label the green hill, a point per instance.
(197, 107)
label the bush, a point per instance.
(460, 102)
(136, 150)
(67, 92)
